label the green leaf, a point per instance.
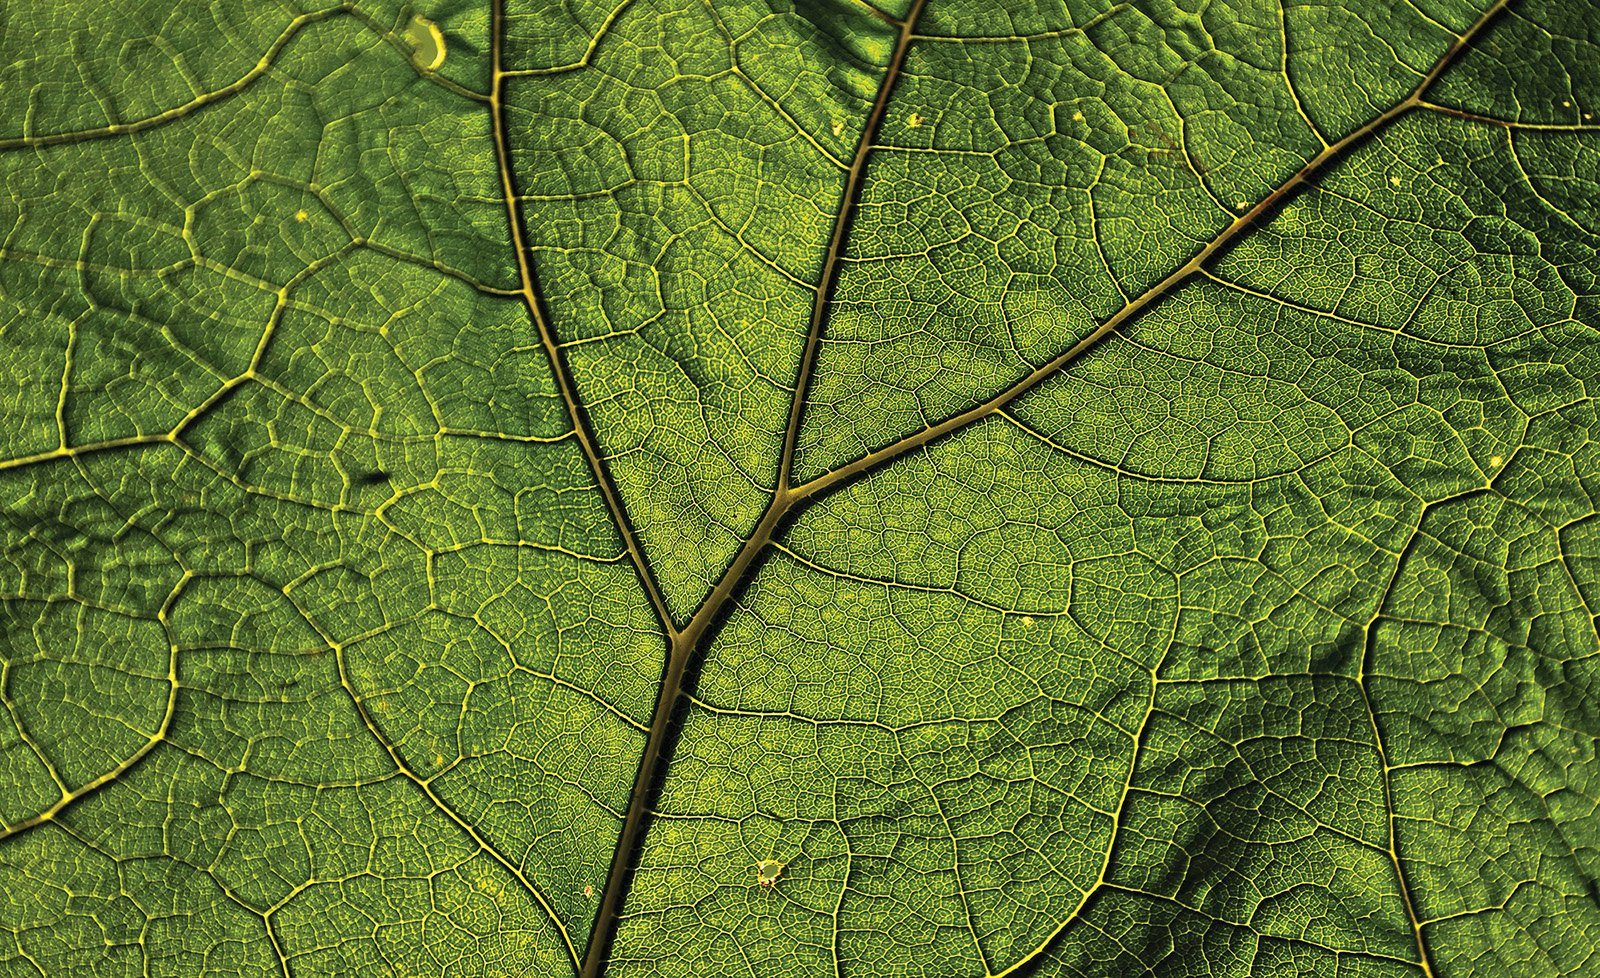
(662, 487)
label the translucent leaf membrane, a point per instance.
(1120, 482)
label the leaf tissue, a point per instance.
(800, 488)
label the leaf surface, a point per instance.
(677, 488)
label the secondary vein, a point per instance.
(1246, 222)
(829, 278)
(547, 338)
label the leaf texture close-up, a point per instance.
(800, 489)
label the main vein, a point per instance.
(686, 644)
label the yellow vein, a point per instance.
(159, 736)
(200, 101)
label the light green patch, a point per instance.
(427, 43)
(768, 871)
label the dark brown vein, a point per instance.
(1489, 120)
(1363, 672)
(425, 785)
(686, 644)
(841, 231)
(1392, 849)
(536, 312)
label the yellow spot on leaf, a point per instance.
(301, 215)
(838, 127)
(915, 122)
(1496, 462)
(427, 43)
(1077, 117)
(1395, 180)
(768, 871)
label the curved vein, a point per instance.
(179, 111)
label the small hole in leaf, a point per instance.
(427, 43)
(768, 871)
